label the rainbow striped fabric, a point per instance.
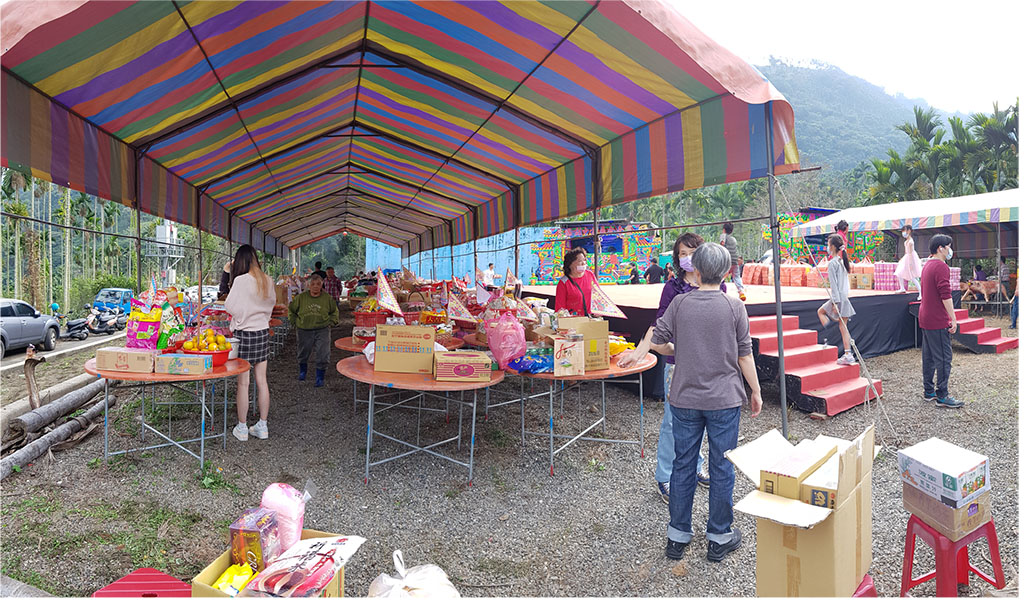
(283, 122)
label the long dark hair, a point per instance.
(688, 239)
(570, 257)
(842, 225)
(836, 241)
(246, 261)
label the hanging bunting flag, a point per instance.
(385, 297)
(458, 310)
(524, 312)
(602, 306)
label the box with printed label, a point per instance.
(404, 349)
(948, 473)
(954, 523)
(462, 366)
(803, 549)
(125, 360)
(595, 339)
(183, 364)
(569, 355)
(784, 476)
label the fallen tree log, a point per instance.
(20, 407)
(29, 453)
(35, 420)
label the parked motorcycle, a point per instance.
(100, 321)
(73, 328)
(122, 319)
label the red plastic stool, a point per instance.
(145, 583)
(951, 564)
(866, 589)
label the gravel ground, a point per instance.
(596, 528)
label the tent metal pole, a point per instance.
(475, 260)
(451, 247)
(774, 224)
(516, 271)
(597, 247)
(138, 225)
(999, 268)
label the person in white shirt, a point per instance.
(489, 275)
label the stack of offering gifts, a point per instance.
(271, 555)
(813, 510)
(946, 486)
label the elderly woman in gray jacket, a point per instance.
(707, 397)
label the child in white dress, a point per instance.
(909, 267)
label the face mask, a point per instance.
(580, 269)
(906, 234)
(686, 264)
(949, 254)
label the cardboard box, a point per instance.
(854, 281)
(948, 473)
(183, 364)
(462, 366)
(805, 550)
(954, 523)
(125, 360)
(570, 356)
(865, 281)
(784, 476)
(202, 584)
(404, 349)
(281, 294)
(595, 338)
(542, 334)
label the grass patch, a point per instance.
(594, 466)
(36, 504)
(497, 437)
(504, 567)
(13, 569)
(211, 478)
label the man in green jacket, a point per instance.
(313, 313)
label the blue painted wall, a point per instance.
(496, 249)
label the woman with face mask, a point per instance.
(686, 281)
(573, 291)
(909, 267)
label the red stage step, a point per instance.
(1000, 345)
(978, 338)
(815, 383)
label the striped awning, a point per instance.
(414, 123)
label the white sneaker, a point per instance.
(241, 432)
(260, 430)
(847, 359)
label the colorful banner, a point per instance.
(385, 297)
(524, 312)
(602, 306)
(458, 310)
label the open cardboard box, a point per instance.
(202, 584)
(802, 549)
(595, 339)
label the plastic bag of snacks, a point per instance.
(234, 579)
(143, 326)
(507, 340)
(421, 581)
(305, 569)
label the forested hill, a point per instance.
(841, 120)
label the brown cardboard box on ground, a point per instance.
(805, 550)
(183, 364)
(462, 366)
(865, 281)
(784, 476)
(954, 523)
(404, 349)
(125, 360)
(595, 338)
(570, 356)
(544, 335)
(946, 472)
(202, 584)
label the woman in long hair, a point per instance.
(250, 302)
(838, 306)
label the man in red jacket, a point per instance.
(938, 323)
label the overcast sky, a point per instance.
(959, 56)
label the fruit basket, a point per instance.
(219, 357)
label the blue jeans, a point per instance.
(666, 443)
(688, 427)
(1014, 311)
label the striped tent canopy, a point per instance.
(418, 124)
(972, 221)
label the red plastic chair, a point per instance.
(145, 583)
(866, 589)
(951, 563)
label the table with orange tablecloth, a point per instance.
(424, 386)
(602, 376)
(229, 369)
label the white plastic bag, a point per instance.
(423, 581)
(368, 351)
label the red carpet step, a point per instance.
(814, 382)
(978, 338)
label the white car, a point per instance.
(210, 293)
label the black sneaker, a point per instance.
(674, 550)
(948, 402)
(703, 479)
(716, 551)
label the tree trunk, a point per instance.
(23, 457)
(38, 418)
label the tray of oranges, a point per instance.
(207, 342)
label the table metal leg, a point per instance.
(551, 427)
(487, 402)
(353, 396)
(472, 437)
(462, 403)
(202, 427)
(369, 435)
(106, 420)
(604, 413)
(640, 380)
(224, 435)
(522, 409)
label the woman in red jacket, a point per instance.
(573, 291)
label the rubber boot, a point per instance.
(302, 371)
(320, 377)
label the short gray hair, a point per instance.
(315, 276)
(712, 262)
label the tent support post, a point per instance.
(451, 246)
(138, 225)
(597, 246)
(999, 267)
(433, 243)
(516, 271)
(774, 225)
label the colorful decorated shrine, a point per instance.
(622, 245)
(862, 244)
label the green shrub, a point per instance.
(83, 291)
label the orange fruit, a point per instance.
(213, 348)
(189, 346)
(220, 340)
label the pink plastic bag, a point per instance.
(507, 340)
(290, 506)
